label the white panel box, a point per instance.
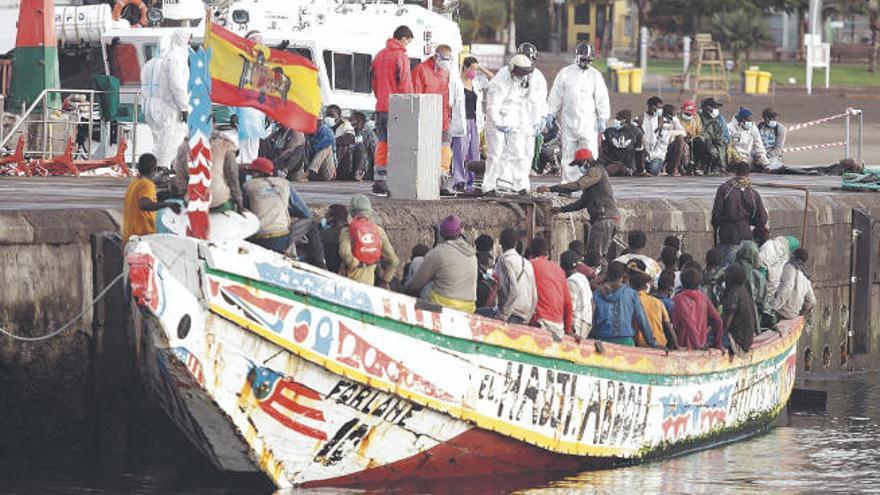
(414, 132)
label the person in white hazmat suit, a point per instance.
(579, 101)
(513, 118)
(166, 91)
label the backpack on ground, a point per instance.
(366, 244)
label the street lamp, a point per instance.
(556, 22)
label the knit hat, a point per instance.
(450, 227)
(568, 260)
(262, 165)
(360, 203)
(793, 242)
(743, 114)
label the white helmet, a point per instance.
(520, 65)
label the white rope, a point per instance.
(69, 323)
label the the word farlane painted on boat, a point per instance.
(316, 380)
(598, 411)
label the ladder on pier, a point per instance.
(713, 81)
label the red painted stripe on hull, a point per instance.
(475, 452)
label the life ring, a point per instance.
(121, 4)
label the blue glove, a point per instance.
(503, 128)
(600, 125)
(548, 120)
(539, 128)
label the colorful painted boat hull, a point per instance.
(315, 380)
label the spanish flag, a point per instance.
(281, 84)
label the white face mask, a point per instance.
(330, 121)
(615, 124)
(714, 113)
(772, 123)
(446, 64)
(747, 125)
(686, 116)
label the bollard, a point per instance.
(846, 136)
(861, 127)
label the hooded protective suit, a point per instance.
(166, 90)
(579, 100)
(512, 116)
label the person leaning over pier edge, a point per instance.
(738, 207)
(597, 197)
(139, 206)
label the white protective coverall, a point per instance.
(167, 81)
(513, 110)
(579, 100)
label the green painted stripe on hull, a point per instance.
(34, 68)
(466, 346)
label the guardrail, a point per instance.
(50, 101)
(848, 114)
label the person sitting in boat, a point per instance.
(616, 307)
(516, 293)
(693, 314)
(554, 310)
(756, 282)
(485, 245)
(795, 295)
(450, 268)
(274, 201)
(636, 241)
(655, 310)
(581, 294)
(364, 244)
(773, 254)
(226, 192)
(740, 313)
(334, 222)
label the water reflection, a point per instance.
(833, 451)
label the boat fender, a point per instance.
(141, 6)
(183, 327)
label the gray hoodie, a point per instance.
(451, 269)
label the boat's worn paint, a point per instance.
(332, 382)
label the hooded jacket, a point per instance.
(431, 79)
(391, 73)
(451, 269)
(737, 207)
(616, 307)
(517, 293)
(747, 258)
(692, 313)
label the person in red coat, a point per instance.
(554, 310)
(391, 75)
(431, 77)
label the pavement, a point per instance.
(41, 193)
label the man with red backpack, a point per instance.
(391, 74)
(364, 244)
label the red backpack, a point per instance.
(366, 245)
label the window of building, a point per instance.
(582, 13)
(583, 37)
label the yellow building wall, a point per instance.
(577, 31)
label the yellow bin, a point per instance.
(623, 80)
(635, 81)
(764, 82)
(751, 81)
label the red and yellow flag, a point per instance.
(281, 84)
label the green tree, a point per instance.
(740, 31)
(482, 20)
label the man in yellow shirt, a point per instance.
(140, 204)
(655, 311)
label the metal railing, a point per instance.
(86, 111)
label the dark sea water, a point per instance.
(832, 451)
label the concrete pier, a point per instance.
(75, 390)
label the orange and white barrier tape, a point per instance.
(804, 125)
(813, 147)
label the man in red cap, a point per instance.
(273, 200)
(597, 197)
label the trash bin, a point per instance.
(623, 80)
(751, 81)
(763, 86)
(635, 81)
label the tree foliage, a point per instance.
(482, 20)
(740, 31)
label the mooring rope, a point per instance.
(72, 321)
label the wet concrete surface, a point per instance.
(36, 193)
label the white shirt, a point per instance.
(581, 304)
(795, 289)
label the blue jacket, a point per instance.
(323, 138)
(614, 314)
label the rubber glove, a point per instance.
(600, 126)
(503, 128)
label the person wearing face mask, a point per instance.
(597, 196)
(686, 127)
(745, 141)
(650, 123)
(773, 137)
(432, 77)
(466, 98)
(539, 93)
(510, 128)
(621, 143)
(364, 147)
(322, 165)
(579, 101)
(343, 132)
(710, 148)
(661, 135)
(333, 222)
(390, 75)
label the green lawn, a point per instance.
(841, 74)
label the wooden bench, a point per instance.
(850, 51)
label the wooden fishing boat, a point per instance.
(267, 364)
